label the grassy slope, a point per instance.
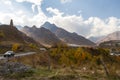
(89, 70)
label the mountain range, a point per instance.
(110, 37)
(96, 39)
(41, 35)
(67, 37)
(49, 34)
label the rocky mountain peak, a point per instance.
(26, 27)
(34, 26)
(51, 27)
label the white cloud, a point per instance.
(22, 19)
(7, 2)
(54, 11)
(65, 1)
(21, 16)
(93, 26)
(33, 8)
(36, 2)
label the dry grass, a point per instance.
(85, 71)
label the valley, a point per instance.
(53, 53)
(59, 39)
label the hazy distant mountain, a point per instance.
(95, 39)
(19, 27)
(9, 35)
(70, 38)
(42, 35)
(110, 37)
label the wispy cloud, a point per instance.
(36, 2)
(54, 11)
(65, 1)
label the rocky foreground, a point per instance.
(14, 70)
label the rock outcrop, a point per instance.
(11, 67)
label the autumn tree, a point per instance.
(33, 46)
(2, 34)
(15, 47)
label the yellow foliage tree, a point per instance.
(81, 55)
(2, 34)
(33, 46)
(15, 47)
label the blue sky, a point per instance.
(88, 8)
(85, 17)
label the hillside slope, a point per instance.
(42, 35)
(67, 37)
(9, 36)
(113, 36)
